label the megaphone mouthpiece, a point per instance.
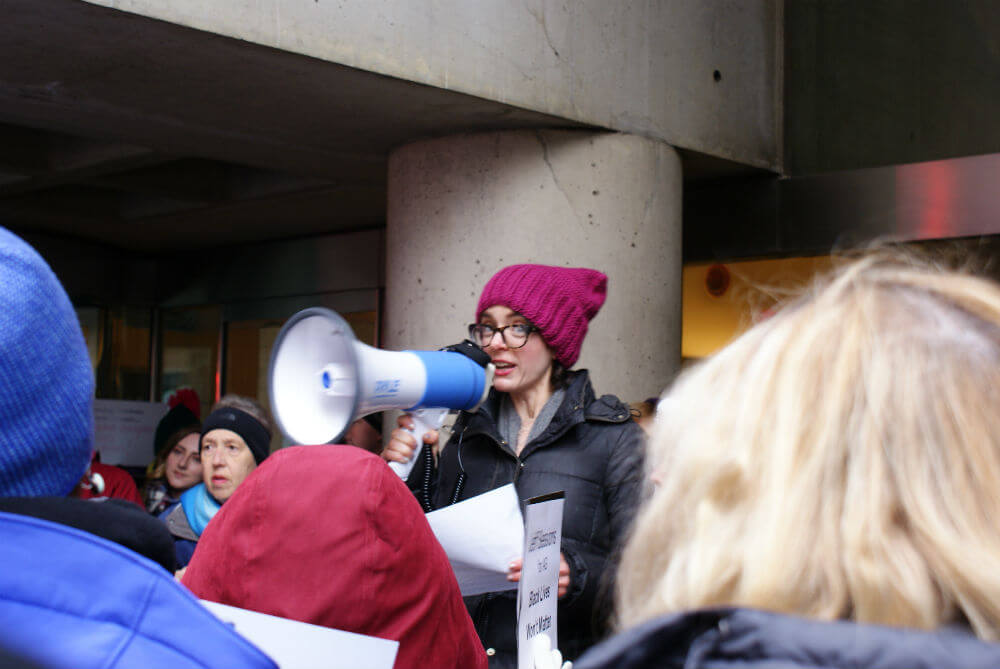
(337, 379)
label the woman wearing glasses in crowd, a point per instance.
(544, 430)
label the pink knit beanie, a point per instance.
(559, 300)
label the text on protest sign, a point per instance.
(538, 590)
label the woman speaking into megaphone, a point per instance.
(542, 429)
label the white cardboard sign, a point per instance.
(297, 645)
(537, 592)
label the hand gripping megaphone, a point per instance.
(321, 379)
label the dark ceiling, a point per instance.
(150, 137)
(136, 198)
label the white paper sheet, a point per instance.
(297, 645)
(123, 431)
(481, 536)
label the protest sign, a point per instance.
(124, 429)
(537, 593)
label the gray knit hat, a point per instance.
(46, 382)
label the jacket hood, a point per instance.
(329, 535)
(69, 598)
(750, 639)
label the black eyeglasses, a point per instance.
(514, 336)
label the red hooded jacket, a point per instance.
(118, 484)
(329, 535)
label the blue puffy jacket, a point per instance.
(71, 599)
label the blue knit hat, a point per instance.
(46, 383)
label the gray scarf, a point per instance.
(509, 423)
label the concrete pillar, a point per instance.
(462, 207)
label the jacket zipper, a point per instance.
(518, 463)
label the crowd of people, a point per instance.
(820, 493)
(85, 582)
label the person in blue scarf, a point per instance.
(235, 438)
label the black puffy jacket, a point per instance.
(726, 638)
(592, 450)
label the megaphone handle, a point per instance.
(424, 420)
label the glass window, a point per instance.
(118, 342)
(189, 345)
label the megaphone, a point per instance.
(321, 379)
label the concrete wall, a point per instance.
(696, 74)
(462, 207)
(888, 82)
(349, 265)
(94, 274)
(306, 266)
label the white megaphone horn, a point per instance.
(321, 379)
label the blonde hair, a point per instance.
(840, 460)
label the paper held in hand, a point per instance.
(538, 590)
(481, 535)
(297, 645)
